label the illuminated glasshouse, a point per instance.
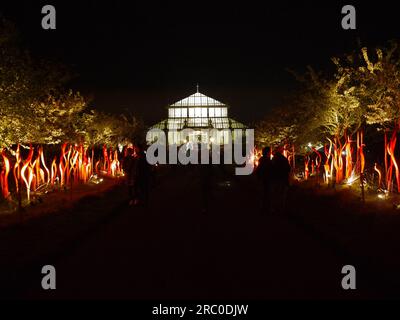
(197, 112)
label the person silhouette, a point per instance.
(128, 165)
(280, 179)
(264, 174)
(142, 178)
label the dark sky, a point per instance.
(145, 55)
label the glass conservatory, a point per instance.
(198, 112)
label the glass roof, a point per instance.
(210, 120)
(196, 100)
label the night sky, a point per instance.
(146, 55)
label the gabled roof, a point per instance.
(197, 100)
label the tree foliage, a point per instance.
(36, 106)
(363, 90)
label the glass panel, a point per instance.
(176, 137)
(171, 113)
(170, 137)
(191, 112)
(175, 124)
(224, 112)
(204, 112)
(218, 112)
(211, 112)
(197, 112)
(178, 113)
(184, 113)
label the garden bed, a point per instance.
(364, 234)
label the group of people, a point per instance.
(273, 171)
(138, 174)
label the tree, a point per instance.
(381, 80)
(35, 107)
(99, 128)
